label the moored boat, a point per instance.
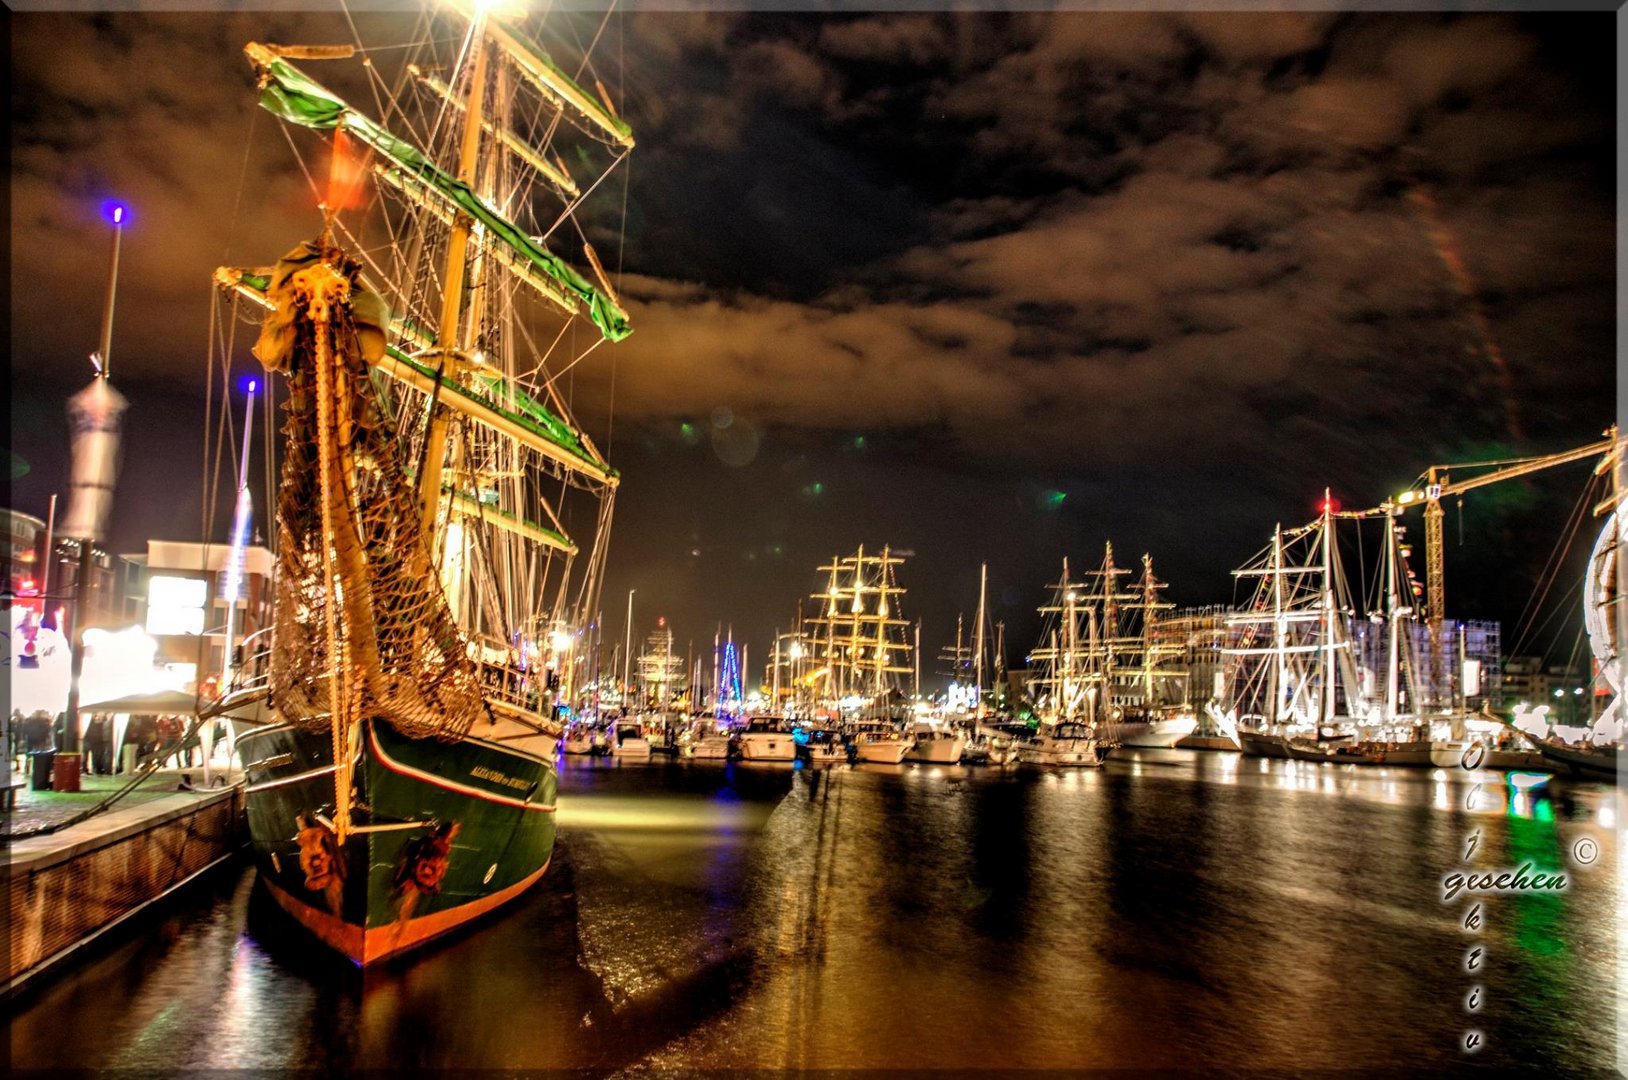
(880, 743)
(767, 738)
(1499, 755)
(822, 746)
(449, 832)
(1216, 731)
(1588, 761)
(631, 743)
(935, 743)
(404, 783)
(710, 740)
(1066, 744)
(579, 739)
(1160, 732)
(1265, 744)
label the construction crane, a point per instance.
(1436, 484)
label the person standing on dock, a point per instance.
(37, 732)
(14, 739)
(99, 743)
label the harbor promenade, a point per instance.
(70, 879)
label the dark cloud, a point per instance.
(1094, 253)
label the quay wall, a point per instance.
(64, 890)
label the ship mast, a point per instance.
(1393, 617)
(1325, 704)
(978, 643)
(452, 297)
(1280, 629)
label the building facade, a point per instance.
(179, 592)
(22, 539)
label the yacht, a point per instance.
(822, 746)
(880, 743)
(710, 740)
(936, 743)
(767, 738)
(1065, 743)
(579, 739)
(631, 744)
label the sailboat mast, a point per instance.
(916, 685)
(833, 593)
(1066, 677)
(452, 297)
(1149, 598)
(883, 608)
(774, 677)
(1393, 613)
(1325, 705)
(1092, 643)
(978, 642)
(855, 610)
(1110, 630)
(1000, 662)
(1280, 627)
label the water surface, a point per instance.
(1173, 910)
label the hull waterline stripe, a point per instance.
(441, 782)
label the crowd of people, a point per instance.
(149, 735)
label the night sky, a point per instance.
(979, 286)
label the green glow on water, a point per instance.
(1053, 498)
(1537, 915)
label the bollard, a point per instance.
(65, 772)
(39, 768)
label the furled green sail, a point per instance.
(490, 393)
(288, 93)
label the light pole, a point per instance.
(66, 770)
(115, 213)
(627, 648)
(240, 539)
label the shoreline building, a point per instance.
(20, 546)
(179, 589)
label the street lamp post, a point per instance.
(240, 540)
(66, 770)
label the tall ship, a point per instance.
(397, 740)
(660, 698)
(1454, 673)
(1596, 752)
(661, 671)
(1294, 681)
(1066, 692)
(1148, 699)
(860, 644)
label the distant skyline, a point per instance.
(982, 286)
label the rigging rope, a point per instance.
(347, 513)
(1527, 627)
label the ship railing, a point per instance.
(251, 664)
(509, 684)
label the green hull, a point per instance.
(448, 832)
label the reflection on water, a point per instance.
(1171, 910)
